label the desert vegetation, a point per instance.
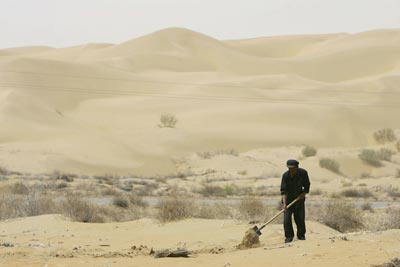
(330, 164)
(385, 135)
(168, 121)
(309, 151)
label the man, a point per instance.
(295, 182)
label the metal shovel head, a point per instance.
(258, 231)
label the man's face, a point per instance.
(293, 171)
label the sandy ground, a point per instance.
(96, 108)
(51, 240)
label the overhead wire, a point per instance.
(86, 90)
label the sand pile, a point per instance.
(250, 240)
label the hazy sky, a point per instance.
(70, 22)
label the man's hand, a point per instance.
(302, 196)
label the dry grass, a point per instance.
(214, 211)
(341, 216)
(168, 121)
(121, 201)
(251, 208)
(174, 208)
(81, 210)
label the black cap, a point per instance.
(292, 163)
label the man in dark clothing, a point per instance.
(295, 182)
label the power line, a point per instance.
(185, 83)
(81, 90)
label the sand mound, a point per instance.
(250, 240)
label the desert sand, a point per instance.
(50, 240)
(243, 108)
(96, 108)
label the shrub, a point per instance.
(251, 208)
(19, 188)
(398, 146)
(367, 207)
(168, 121)
(174, 208)
(4, 171)
(81, 210)
(214, 211)
(212, 190)
(393, 263)
(330, 164)
(121, 201)
(309, 151)
(393, 218)
(370, 157)
(384, 135)
(138, 201)
(386, 154)
(360, 193)
(342, 216)
(398, 173)
(393, 192)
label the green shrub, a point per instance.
(330, 164)
(168, 121)
(384, 136)
(370, 157)
(309, 151)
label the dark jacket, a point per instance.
(294, 186)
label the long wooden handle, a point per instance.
(279, 213)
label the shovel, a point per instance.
(258, 230)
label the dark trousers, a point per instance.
(298, 210)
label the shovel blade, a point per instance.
(257, 230)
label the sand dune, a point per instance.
(87, 101)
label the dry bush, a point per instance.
(81, 210)
(359, 193)
(393, 192)
(210, 154)
(341, 216)
(397, 145)
(367, 207)
(398, 173)
(174, 208)
(386, 154)
(309, 151)
(110, 191)
(121, 201)
(393, 218)
(251, 208)
(137, 201)
(13, 206)
(384, 136)
(214, 211)
(212, 191)
(168, 121)
(3, 170)
(393, 263)
(330, 164)
(370, 157)
(19, 189)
